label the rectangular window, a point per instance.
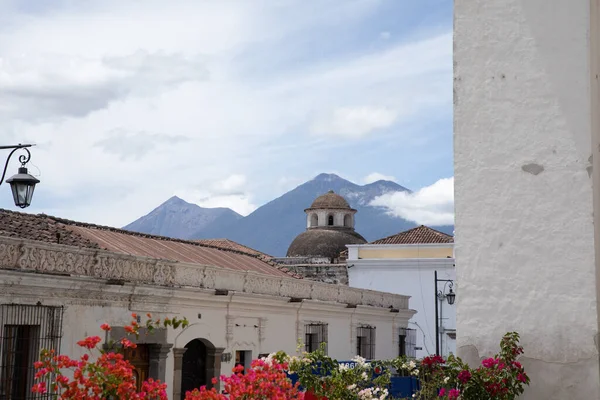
(365, 342)
(243, 358)
(315, 335)
(407, 342)
(24, 331)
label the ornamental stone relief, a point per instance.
(32, 256)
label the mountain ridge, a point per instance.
(272, 227)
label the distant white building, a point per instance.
(406, 263)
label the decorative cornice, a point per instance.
(407, 263)
(32, 256)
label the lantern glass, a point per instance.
(22, 186)
(451, 297)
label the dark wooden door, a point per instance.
(139, 358)
(193, 368)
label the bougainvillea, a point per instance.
(500, 377)
(109, 376)
(266, 379)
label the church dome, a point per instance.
(330, 200)
(329, 228)
(327, 243)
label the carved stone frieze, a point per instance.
(262, 284)
(372, 298)
(61, 259)
(323, 292)
(351, 295)
(295, 288)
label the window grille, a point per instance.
(24, 331)
(314, 336)
(365, 342)
(407, 343)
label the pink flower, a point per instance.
(522, 377)
(442, 392)
(464, 376)
(453, 394)
(127, 343)
(489, 362)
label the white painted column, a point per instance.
(525, 248)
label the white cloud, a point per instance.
(130, 105)
(231, 192)
(376, 176)
(354, 122)
(432, 205)
(42, 87)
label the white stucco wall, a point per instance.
(231, 321)
(416, 279)
(523, 192)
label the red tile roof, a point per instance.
(57, 230)
(419, 235)
(231, 245)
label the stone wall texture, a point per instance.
(525, 247)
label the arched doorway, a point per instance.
(198, 365)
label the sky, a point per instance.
(226, 103)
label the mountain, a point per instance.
(177, 218)
(272, 227)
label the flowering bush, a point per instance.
(326, 378)
(500, 377)
(266, 379)
(109, 376)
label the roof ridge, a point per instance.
(69, 222)
(410, 230)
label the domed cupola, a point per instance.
(329, 228)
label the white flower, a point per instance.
(412, 364)
(364, 376)
(359, 360)
(404, 366)
(343, 367)
(414, 395)
(415, 372)
(446, 379)
(351, 387)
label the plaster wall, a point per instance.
(524, 231)
(415, 278)
(237, 321)
(406, 252)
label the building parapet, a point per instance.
(33, 256)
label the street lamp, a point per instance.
(439, 296)
(22, 184)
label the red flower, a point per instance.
(453, 394)
(127, 343)
(464, 376)
(105, 327)
(90, 342)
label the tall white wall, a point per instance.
(414, 278)
(523, 188)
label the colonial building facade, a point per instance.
(59, 280)
(407, 263)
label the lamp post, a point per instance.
(22, 184)
(439, 296)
